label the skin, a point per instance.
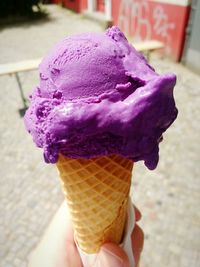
(57, 247)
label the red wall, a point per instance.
(56, 1)
(100, 5)
(75, 5)
(146, 19)
(83, 5)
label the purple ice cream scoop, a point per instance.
(99, 96)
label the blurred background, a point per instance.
(168, 33)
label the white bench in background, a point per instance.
(148, 46)
(15, 69)
(28, 65)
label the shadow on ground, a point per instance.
(36, 18)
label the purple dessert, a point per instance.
(99, 96)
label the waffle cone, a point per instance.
(97, 193)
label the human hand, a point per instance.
(58, 249)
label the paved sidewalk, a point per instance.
(168, 197)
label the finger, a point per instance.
(137, 237)
(138, 214)
(111, 255)
(57, 247)
(72, 257)
(66, 226)
(58, 256)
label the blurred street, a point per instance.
(30, 194)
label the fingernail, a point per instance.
(108, 258)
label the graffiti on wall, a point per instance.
(162, 26)
(137, 19)
(133, 19)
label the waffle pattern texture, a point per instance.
(97, 193)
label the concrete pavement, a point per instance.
(168, 197)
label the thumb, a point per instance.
(111, 255)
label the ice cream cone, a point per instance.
(97, 193)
